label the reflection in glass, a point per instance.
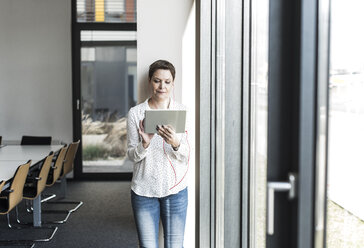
(259, 116)
(108, 88)
(345, 203)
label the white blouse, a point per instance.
(158, 170)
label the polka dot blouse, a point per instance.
(158, 170)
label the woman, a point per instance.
(159, 185)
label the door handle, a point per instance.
(272, 187)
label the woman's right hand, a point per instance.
(146, 137)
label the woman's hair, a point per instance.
(161, 65)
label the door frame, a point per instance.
(221, 214)
(298, 113)
(298, 90)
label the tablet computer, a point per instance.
(155, 117)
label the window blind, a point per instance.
(106, 10)
(92, 35)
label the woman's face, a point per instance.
(161, 84)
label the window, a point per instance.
(259, 122)
(345, 212)
(105, 41)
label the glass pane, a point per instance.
(259, 125)
(345, 204)
(108, 88)
(106, 10)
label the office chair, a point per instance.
(53, 176)
(10, 198)
(70, 157)
(36, 140)
(34, 186)
(55, 171)
(67, 168)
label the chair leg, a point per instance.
(28, 206)
(46, 198)
(18, 220)
(9, 224)
(59, 200)
(57, 212)
(27, 241)
(68, 212)
(30, 226)
(15, 243)
(79, 204)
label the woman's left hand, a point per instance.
(169, 135)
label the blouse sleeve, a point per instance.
(136, 151)
(183, 152)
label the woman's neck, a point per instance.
(161, 104)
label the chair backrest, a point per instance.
(2, 185)
(1, 139)
(43, 173)
(17, 185)
(58, 165)
(70, 157)
(36, 140)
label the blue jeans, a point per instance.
(171, 209)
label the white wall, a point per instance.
(166, 30)
(35, 69)
(161, 27)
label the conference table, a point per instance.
(11, 156)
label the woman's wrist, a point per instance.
(176, 147)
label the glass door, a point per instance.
(108, 91)
(104, 55)
(288, 123)
(345, 206)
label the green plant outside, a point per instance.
(94, 152)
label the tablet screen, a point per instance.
(155, 117)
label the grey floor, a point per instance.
(105, 219)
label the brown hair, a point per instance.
(161, 65)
